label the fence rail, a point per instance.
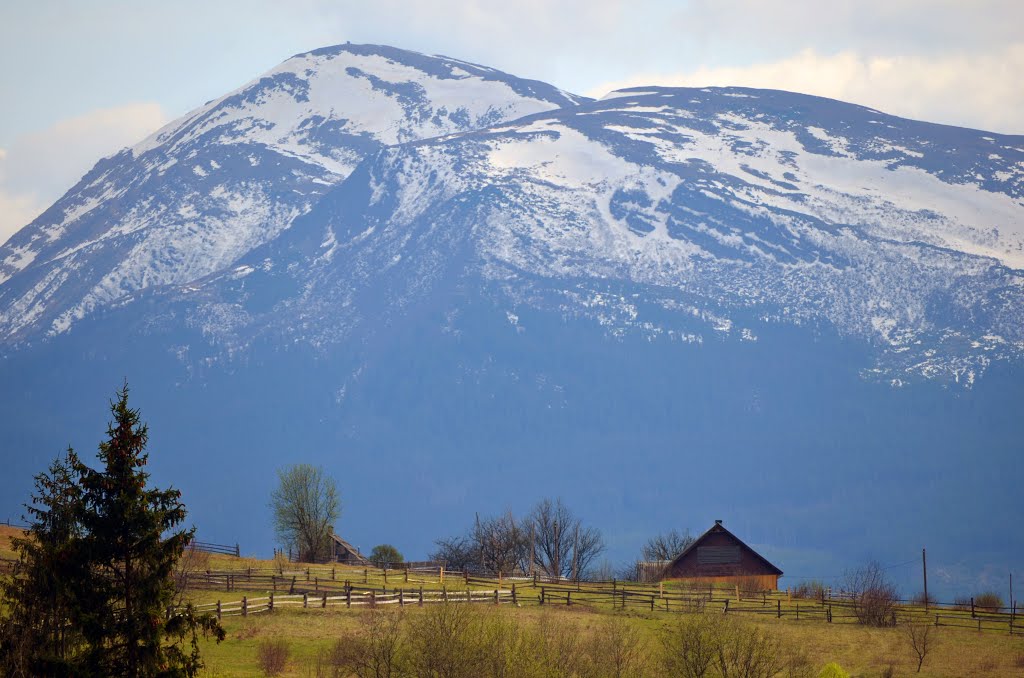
(322, 587)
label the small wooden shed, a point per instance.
(345, 553)
(720, 557)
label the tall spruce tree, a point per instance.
(130, 545)
(38, 636)
(92, 592)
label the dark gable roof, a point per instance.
(348, 547)
(718, 528)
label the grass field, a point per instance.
(862, 651)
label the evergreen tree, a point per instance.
(92, 592)
(37, 633)
(130, 546)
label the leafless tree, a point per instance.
(666, 546)
(874, 597)
(455, 552)
(501, 544)
(922, 639)
(562, 545)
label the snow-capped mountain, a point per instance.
(511, 291)
(713, 211)
(229, 176)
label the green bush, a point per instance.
(833, 670)
(385, 555)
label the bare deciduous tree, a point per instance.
(456, 553)
(562, 546)
(667, 546)
(305, 506)
(922, 639)
(501, 544)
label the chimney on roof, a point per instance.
(718, 522)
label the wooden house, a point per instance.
(719, 557)
(345, 553)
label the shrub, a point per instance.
(615, 650)
(445, 641)
(375, 651)
(809, 589)
(873, 596)
(989, 601)
(961, 603)
(272, 656)
(690, 644)
(833, 670)
(919, 599)
(699, 645)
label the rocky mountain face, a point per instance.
(460, 291)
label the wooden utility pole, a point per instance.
(924, 570)
(533, 548)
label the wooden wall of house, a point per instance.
(755, 582)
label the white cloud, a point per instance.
(974, 90)
(38, 167)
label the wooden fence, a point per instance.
(319, 588)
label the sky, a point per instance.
(81, 80)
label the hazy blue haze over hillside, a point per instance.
(461, 291)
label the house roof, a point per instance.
(718, 528)
(348, 547)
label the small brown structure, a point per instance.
(719, 557)
(345, 553)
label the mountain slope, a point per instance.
(234, 173)
(724, 209)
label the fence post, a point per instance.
(652, 602)
(495, 596)
(421, 596)
(385, 574)
(273, 582)
(738, 593)
(373, 599)
(972, 607)
(291, 589)
(348, 594)
(778, 609)
(726, 609)
(541, 595)
(936, 619)
(324, 604)
(401, 597)
(568, 598)
(515, 601)
(366, 575)
(316, 584)
(798, 611)
(534, 580)
(442, 574)
(305, 600)
(444, 593)
(332, 572)
(764, 598)
(245, 606)
(830, 614)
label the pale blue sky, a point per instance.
(82, 79)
